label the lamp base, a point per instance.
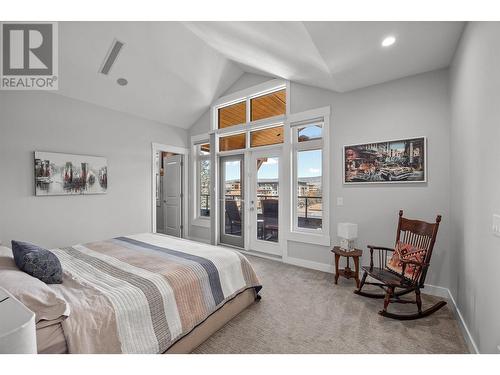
(346, 245)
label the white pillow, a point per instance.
(5, 252)
(46, 303)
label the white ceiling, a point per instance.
(173, 75)
(176, 70)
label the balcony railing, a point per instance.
(205, 205)
(305, 202)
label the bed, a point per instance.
(145, 293)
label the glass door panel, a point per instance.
(267, 202)
(232, 202)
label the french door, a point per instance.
(232, 203)
(265, 201)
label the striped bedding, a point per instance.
(141, 293)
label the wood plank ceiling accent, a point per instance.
(232, 115)
(232, 142)
(264, 137)
(262, 107)
(273, 104)
(205, 147)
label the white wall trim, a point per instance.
(197, 239)
(442, 292)
(471, 344)
(318, 266)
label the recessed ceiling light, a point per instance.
(122, 81)
(388, 41)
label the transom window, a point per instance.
(233, 114)
(309, 133)
(270, 105)
(232, 142)
(267, 137)
(252, 108)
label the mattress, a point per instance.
(50, 340)
(144, 293)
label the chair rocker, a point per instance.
(406, 270)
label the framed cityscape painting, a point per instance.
(396, 161)
(67, 174)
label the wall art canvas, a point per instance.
(397, 161)
(67, 174)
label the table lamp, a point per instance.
(17, 326)
(347, 232)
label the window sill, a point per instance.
(312, 238)
(201, 222)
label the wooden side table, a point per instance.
(347, 272)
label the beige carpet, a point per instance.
(302, 311)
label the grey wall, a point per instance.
(413, 106)
(408, 107)
(475, 180)
(42, 121)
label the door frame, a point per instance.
(274, 249)
(158, 147)
(221, 201)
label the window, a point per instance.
(247, 107)
(204, 188)
(309, 148)
(232, 142)
(265, 137)
(269, 105)
(233, 114)
(202, 160)
(205, 149)
(309, 193)
(309, 133)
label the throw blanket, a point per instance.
(141, 293)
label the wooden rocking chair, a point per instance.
(407, 268)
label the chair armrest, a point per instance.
(371, 247)
(380, 248)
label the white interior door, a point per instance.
(172, 195)
(265, 202)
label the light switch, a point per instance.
(496, 225)
(340, 201)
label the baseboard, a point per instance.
(309, 264)
(260, 255)
(437, 291)
(191, 238)
(442, 292)
(471, 344)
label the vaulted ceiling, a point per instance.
(176, 70)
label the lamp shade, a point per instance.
(349, 231)
(17, 326)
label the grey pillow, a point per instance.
(37, 262)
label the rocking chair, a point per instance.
(407, 268)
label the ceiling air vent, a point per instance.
(110, 59)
